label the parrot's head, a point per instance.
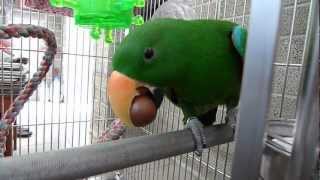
(147, 56)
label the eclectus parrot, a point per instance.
(197, 64)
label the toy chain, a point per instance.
(17, 31)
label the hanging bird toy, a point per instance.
(103, 15)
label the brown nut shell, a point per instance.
(143, 110)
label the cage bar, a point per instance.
(304, 154)
(256, 88)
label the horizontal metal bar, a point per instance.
(289, 65)
(60, 53)
(100, 158)
(61, 123)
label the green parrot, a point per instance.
(197, 64)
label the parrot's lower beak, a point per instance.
(130, 100)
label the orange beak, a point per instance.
(132, 105)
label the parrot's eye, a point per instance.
(148, 54)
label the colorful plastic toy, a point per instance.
(103, 15)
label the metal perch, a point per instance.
(100, 158)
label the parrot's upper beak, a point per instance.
(130, 100)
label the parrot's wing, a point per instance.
(239, 39)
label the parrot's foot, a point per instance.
(196, 128)
(232, 116)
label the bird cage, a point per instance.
(70, 110)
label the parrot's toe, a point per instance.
(196, 128)
(232, 116)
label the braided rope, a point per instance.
(17, 31)
(114, 132)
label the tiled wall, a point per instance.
(286, 78)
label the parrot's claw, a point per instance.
(232, 116)
(196, 128)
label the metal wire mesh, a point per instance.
(59, 114)
(71, 109)
(216, 161)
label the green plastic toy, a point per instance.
(103, 15)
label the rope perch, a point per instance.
(17, 31)
(114, 132)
